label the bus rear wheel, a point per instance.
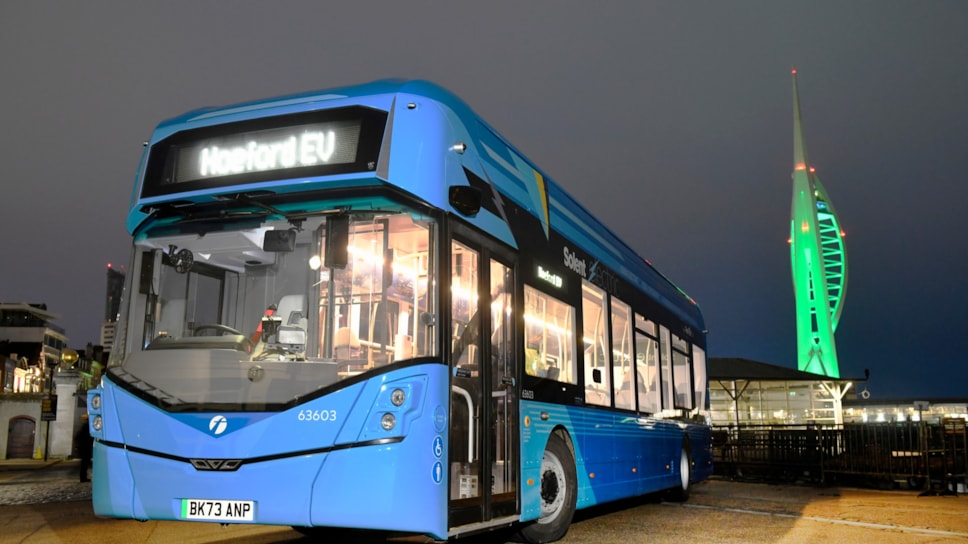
(559, 491)
(681, 492)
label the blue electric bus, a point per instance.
(363, 308)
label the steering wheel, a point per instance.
(215, 327)
(246, 344)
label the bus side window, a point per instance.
(622, 369)
(549, 334)
(595, 342)
(665, 368)
(699, 376)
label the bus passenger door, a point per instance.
(483, 404)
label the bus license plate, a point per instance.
(218, 510)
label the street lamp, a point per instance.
(69, 356)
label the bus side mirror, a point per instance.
(465, 199)
(279, 241)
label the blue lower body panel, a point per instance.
(617, 455)
(350, 475)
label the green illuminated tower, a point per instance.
(818, 260)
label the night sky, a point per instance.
(671, 120)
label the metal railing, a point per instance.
(881, 454)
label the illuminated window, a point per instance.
(647, 365)
(699, 376)
(623, 372)
(665, 363)
(595, 345)
(681, 373)
(549, 326)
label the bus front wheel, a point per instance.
(559, 483)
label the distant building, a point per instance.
(746, 392)
(29, 337)
(108, 330)
(933, 410)
(112, 300)
(112, 307)
(9, 379)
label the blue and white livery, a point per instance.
(363, 309)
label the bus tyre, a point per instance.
(680, 493)
(559, 491)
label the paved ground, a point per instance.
(46, 504)
(32, 482)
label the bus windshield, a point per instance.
(256, 313)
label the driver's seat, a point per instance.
(292, 311)
(291, 318)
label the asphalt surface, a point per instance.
(45, 503)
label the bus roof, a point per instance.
(571, 219)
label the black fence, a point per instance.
(913, 454)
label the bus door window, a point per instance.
(681, 373)
(595, 341)
(623, 373)
(647, 365)
(503, 369)
(465, 389)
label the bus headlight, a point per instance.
(398, 397)
(96, 423)
(388, 421)
(95, 402)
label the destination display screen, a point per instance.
(266, 150)
(274, 148)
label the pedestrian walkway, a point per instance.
(29, 464)
(26, 481)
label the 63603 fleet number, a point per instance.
(316, 415)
